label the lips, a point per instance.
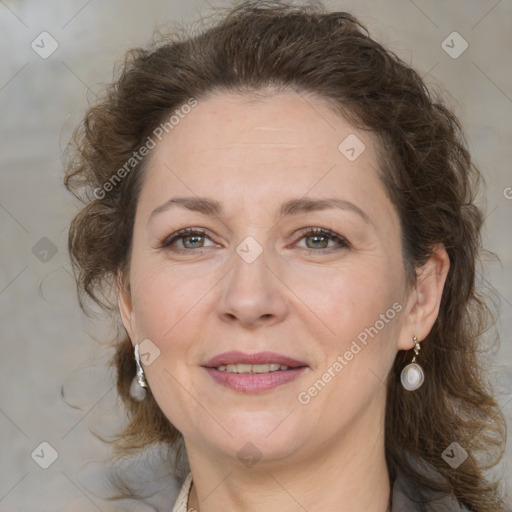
(245, 373)
(228, 358)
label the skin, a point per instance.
(302, 297)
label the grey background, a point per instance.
(45, 340)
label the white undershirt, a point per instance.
(182, 501)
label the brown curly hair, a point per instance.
(424, 164)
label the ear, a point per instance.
(424, 299)
(124, 302)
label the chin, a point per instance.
(262, 436)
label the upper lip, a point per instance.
(258, 358)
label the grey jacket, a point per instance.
(157, 489)
(408, 497)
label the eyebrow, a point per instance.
(212, 207)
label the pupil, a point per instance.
(316, 238)
(192, 237)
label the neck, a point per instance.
(346, 474)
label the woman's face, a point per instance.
(256, 280)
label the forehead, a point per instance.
(263, 148)
(280, 120)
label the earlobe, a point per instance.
(425, 298)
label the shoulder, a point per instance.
(409, 496)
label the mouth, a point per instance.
(247, 369)
(253, 373)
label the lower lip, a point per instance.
(254, 382)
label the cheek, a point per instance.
(333, 303)
(348, 298)
(162, 299)
(362, 309)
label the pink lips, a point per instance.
(256, 382)
(259, 358)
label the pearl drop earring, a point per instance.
(412, 375)
(139, 383)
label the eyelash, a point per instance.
(311, 231)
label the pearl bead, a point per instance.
(137, 392)
(412, 377)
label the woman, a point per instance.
(285, 216)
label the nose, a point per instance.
(252, 294)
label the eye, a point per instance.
(186, 239)
(319, 238)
